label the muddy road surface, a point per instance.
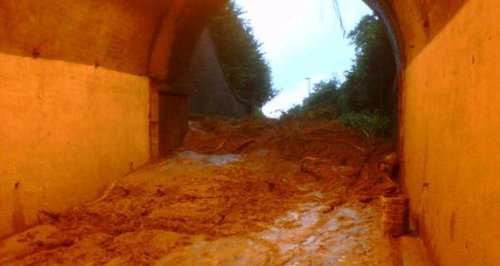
(252, 192)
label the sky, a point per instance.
(302, 39)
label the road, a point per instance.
(253, 192)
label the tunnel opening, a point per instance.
(167, 128)
(211, 96)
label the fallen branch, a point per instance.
(352, 145)
(104, 195)
(221, 145)
(244, 145)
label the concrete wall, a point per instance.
(89, 92)
(66, 131)
(451, 126)
(211, 94)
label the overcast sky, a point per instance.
(302, 39)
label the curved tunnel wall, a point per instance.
(89, 92)
(450, 124)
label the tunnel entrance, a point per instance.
(369, 85)
(167, 131)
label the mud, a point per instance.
(251, 192)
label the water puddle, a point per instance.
(218, 160)
(348, 235)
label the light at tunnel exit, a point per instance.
(302, 39)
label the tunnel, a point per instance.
(92, 90)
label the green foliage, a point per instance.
(371, 124)
(369, 83)
(242, 61)
(321, 104)
(257, 113)
(323, 100)
(366, 100)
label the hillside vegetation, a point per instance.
(366, 100)
(242, 61)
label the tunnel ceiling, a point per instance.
(127, 36)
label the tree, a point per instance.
(369, 84)
(322, 103)
(242, 61)
(367, 98)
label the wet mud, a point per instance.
(252, 192)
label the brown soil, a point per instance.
(251, 192)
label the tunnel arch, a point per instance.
(386, 12)
(89, 79)
(169, 69)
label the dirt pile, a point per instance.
(294, 139)
(322, 149)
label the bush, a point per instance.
(366, 99)
(371, 124)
